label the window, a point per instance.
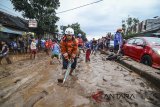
(153, 41)
(130, 41)
(139, 41)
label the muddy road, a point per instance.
(33, 83)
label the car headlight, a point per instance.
(156, 50)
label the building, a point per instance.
(146, 26)
(12, 26)
(153, 25)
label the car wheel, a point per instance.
(147, 60)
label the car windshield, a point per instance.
(154, 41)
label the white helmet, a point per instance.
(69, 31)
(79, 35)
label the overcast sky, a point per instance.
(102, 17)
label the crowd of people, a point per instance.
(69, 49)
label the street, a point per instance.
(79, 53)
(33, 83)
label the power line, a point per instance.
(61, 11)
(79, 7)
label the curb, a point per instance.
(151, 74)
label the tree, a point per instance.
(77, 30)
(135, 21)
(131, 24)
(129, 21)
(41, 10)
(123, 25)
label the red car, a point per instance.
(144, 49)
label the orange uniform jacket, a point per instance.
(69, 46)
(50, 43)
(80, 41)
(47, 44)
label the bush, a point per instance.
(131, 35)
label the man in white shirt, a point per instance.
(33, 47)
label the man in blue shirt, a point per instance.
(55, 51)
(118, 41)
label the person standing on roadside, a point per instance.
(88, 51)
(80, 44)
(4, 53)
(108, 38)
(118, 41)
(47, 47)
(94, 46)
(33, 47)
(14, 46)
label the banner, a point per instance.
(32, 23)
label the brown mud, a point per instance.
(33, 83)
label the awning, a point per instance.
(11, 30)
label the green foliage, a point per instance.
(41, 10)
(131, 35)
(123, 25)
(77, 30)
(135, 21)
(129, 21)
(126, 25)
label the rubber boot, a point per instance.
(71, 71)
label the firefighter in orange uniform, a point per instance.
(69, 48)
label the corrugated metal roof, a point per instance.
(13, 21)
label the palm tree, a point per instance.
(135, 21)
(129, 24)
(123, 25)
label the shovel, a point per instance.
(66, 73)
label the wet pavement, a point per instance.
(33, 83)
